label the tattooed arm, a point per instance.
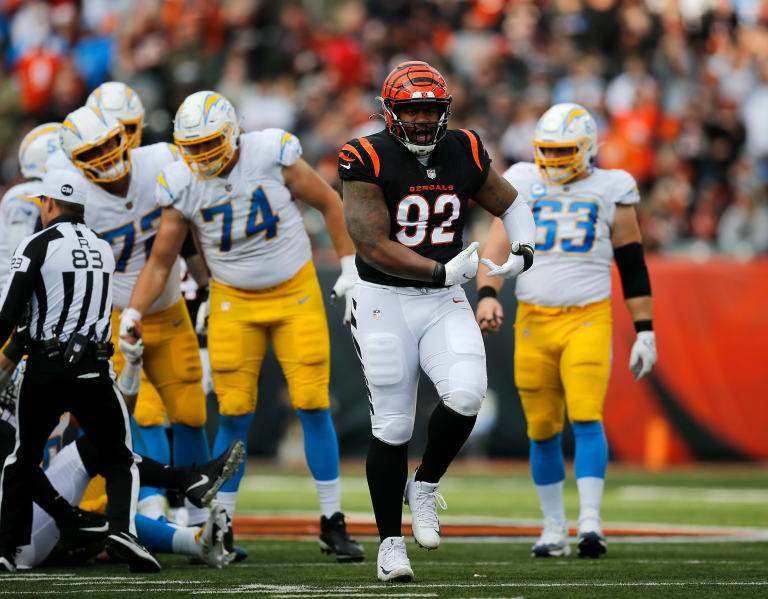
(367, 220)
(496, 194)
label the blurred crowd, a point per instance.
(679, 87)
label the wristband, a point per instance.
(485, 291)
(438, 274)
(643, 325)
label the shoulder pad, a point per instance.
(172, 182)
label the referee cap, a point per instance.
(64, 185)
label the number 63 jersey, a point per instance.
(573, 234)
(249, 227)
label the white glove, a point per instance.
(131, 351)
(345, 285)
(643, 355)
(462, 267)
(511, 268)
(201, 320)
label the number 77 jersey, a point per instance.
(573, 234)
(248, 225)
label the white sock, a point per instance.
(590, 494)
(185, 541)
(152, 507)
(551, 501)
(228, 499)
(196, 516)
(329, 494)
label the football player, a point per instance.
(20, 207)
(237, 191)
(122, 209)
(119, 100)
(406, 191)
(585, 216)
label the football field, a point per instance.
(692, 532)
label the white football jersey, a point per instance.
(130, 224)
(572, 266)
(249, 227)
(18, 215)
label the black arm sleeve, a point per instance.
(630, 260)
(188, 248)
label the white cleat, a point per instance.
(590, 537)
(393, 564)
(423, 498)
(211, 540)
(553, 541)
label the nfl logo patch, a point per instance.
(376, 313)
(431, 173)
(228, 187)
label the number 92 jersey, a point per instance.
(426, 202)
(249, 227)
(573, 234)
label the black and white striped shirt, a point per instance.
(64, 274)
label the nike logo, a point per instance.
(457, 301)
(349, 166)
(466, 276)
(89, 375)
(177, 323)
(203, 481)
(586, 324)
(302, 300)
(386, 572)
(103, 528)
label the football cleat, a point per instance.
(392, 564)
(553, 541)
(234, 553)
(211, 538)
(335, 539)
(8, 560)
(124, 547)
(423, 498)
(590, 538)
(203, 482)
(82, 528)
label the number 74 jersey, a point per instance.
(249, 227)
(573, 234)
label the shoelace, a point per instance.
(426, 507)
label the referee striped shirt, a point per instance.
(64, 274)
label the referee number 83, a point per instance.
(80, 259)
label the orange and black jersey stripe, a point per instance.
(427, 203)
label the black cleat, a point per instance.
(334, 539)
(8, 560)
(234, 553)
(206, 480)
(124, 547)
(82, 528)
(591, 544)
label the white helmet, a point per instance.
(202, 117)
(35, 148)
(119, 100)
(85, 130)
(565, 126)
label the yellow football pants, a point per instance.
(292, 315)
(562, 359)
(171, 365)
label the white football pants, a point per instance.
(396, 330)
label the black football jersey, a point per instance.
(427, 203)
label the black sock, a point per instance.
(155, 474)
(445, 437)
(49, 499)
(387, 470)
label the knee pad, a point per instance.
(541, 429)
(395, 429)
(467, 386)
(236, 392)
(309, 397)
(149, 410)
(186, 404)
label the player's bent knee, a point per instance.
(585, 411)
(149, 412)
(236, 393)
(392, 430)
(468, 385)
(310, 397)
(542, 430)
(466, 402)
(188, 407)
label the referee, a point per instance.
(64, 274)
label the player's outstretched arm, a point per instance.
(636, 284)
(490, 314)
(367, 220)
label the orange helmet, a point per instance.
(415, 82)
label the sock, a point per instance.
(154, 474)
(551, 501)
(190, 445)
(152, 506)
(386, 469)
(589, 464)
(321, 447)
(155, 535)
(329, 494)
(196, 516)
(232, 428)
(228, 500)
(138, 438)
(157, 448)
(185, 541)
(548, 469)
(446, 435)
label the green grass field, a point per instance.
(723, 497)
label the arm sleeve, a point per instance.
(357, 163)
(25, 268)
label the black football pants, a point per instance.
(51, 387)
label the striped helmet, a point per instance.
(415, 82)
(119, 100)
(36, 147)
(565, 126)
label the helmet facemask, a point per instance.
(106, 167)
(561, 169)
(133, 129)
(409, 132)
(208, 162)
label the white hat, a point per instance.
(64, 185)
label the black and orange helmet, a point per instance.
(415, 82)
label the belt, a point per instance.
(53, 348)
